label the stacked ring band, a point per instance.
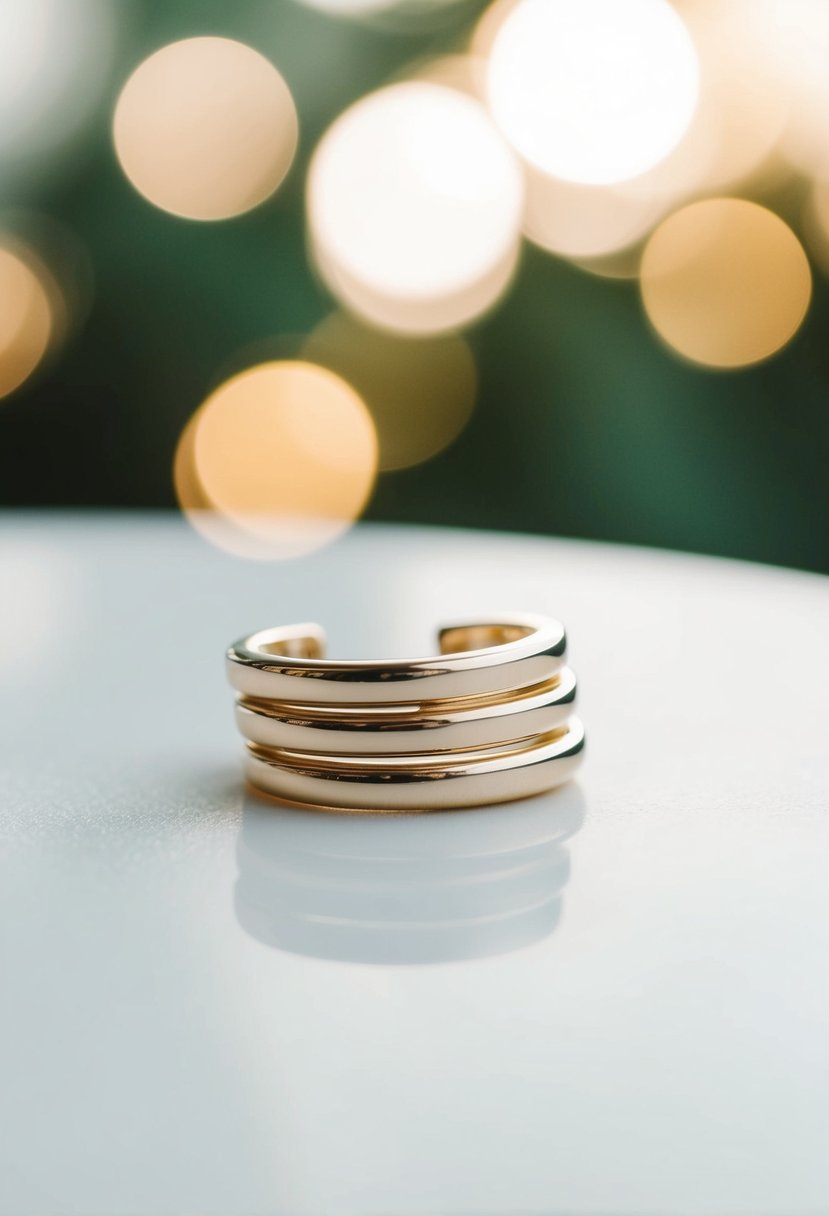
(488, 720)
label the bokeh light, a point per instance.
(725, 282)
(60, 262)
(205, 128)
(740, 113)
(578, 221)
(414, 205)
(593, 92)
(795, 37)
(278, 461)
(420, 391)
(742, 108)
(55, 56)
(488, 26)
(26, 319)
(200, 513)
(731, 139)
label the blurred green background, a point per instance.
(585, 424)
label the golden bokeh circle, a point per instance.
(725, 282)
(595, 92)
(582, 222)
(414, 208)
(278, 461)
(205, 128)
(420, 392)
(26, 320)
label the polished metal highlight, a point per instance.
(476, 659)
(404, 783)
(429, 727)
(490, 719)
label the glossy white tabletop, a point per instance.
(611, 1001)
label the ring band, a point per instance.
(476, 659)
(436, 727)
(490, 719)
(396, 783)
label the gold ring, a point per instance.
(490, 719)
(478, 658)
(429, 727)
(396, 783)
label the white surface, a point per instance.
(638, 1030)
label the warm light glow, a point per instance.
(25, 319)
(741, 110)
(202, 515)
(725, 282)
(414, 206)
(420, 392)
(489, 25)
(278, 461)
(731, 138)
(596, 91)
(795, 48)
(579, 221)
(205, 128)
(414, 315)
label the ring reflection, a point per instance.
(401, 889)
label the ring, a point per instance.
(490, 719)
(437, 727)
(478, 658)
(394, 783)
